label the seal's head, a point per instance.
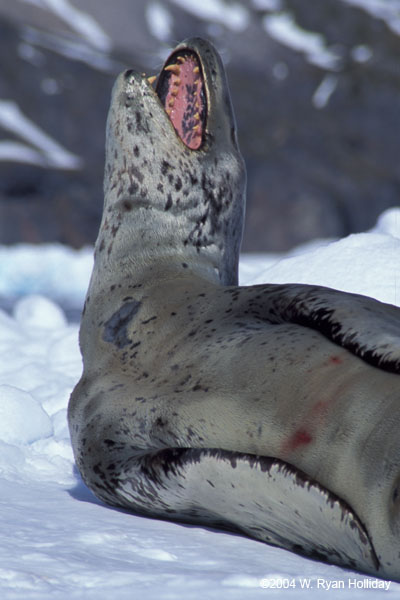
(174, 177)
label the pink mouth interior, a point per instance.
(181, 89)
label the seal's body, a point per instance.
(271, 409)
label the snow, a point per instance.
(79, 49)
(325, 90)
(282, 27)
(232, 15)
(47, 152)
(80, 21)
(159, 20)
(57, 540)
(386, 10)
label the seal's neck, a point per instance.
(171, 197)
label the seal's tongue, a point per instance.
(180, 88)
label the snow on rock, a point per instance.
(386, 10)
(159, 20)
(57, 540)
(233, 15)
(283, 28)
(79, 21)
(47, 152)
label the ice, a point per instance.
(57, 540)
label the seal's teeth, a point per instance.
(196, 116)
(175, 69)
(196, 70)
(197, 81)
(152, 79)
(174, 92)
(196, 128)
(171, 102)
(168, 111)
(181, 59)
(176, 82)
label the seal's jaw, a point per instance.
(181, 89)
(193, 91)
(174, 179)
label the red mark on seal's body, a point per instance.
(301, 437)
(335, 360)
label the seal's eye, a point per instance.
(180, 87)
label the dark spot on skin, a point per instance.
(148, 320)
(136, 173)
(109, 443)
(127, 205)
(115, 329)
(136, 151)
(165, 166)
(168, 203)
(184, 265)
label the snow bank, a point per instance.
(58, 541)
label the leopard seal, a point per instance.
(271, 410)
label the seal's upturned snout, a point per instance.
(174, 177)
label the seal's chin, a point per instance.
(181, 89)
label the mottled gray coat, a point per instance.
(273, 409)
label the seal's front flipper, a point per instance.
(367, 328)
(265, 498)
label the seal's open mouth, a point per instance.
(181, 89)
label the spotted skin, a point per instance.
(272, 410)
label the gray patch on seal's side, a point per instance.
(115, 329)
